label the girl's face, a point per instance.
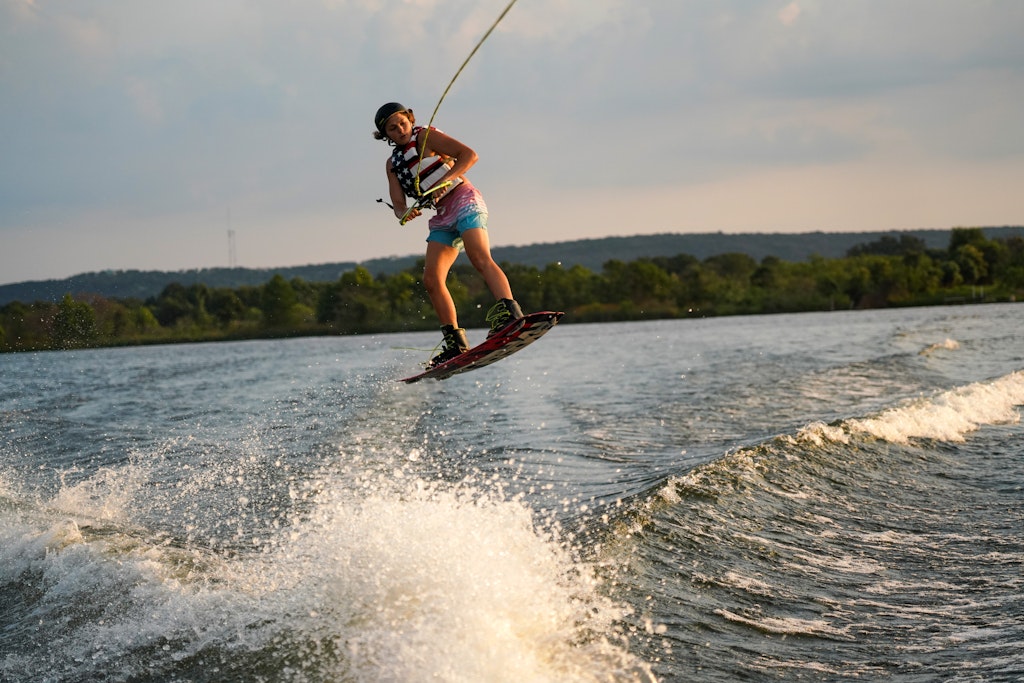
(398, 128)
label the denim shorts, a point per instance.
(464, 210)
(453, 236)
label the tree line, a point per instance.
(891, 271)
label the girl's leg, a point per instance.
(478, 249)
(440, 258)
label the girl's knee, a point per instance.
(431, 282)
(483, 262)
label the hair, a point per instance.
(377, 135)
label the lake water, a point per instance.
(823, 497)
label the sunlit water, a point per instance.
(817, 497)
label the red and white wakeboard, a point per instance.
(517, 335)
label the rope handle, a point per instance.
(423, 201)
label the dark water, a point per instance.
(811, 497)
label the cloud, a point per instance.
(146, 100)
(789, 14)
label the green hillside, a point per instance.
(589, 253)
(893, 270)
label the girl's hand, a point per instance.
(441, 191)
(408, 216)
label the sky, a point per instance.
(139, 134)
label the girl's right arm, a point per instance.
(397, 195)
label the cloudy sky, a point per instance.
(136, 134)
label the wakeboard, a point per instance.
(516, 336)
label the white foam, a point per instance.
(787, 625)
(448, 585)
(819, 433)
(947, 345)
(108, 495)
(418, 583)
(950, 415)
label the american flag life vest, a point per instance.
(406, 162)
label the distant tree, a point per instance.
(172, 304)
(997, 257)
(680, 264)
(112, 318)
(526, 283)
(924, 275)
(12, 317)
(355, 303)
(767, 275)
(563, 290)
(858, 284)
(226, 306)
(1011, 271)
(180, 305)
(887, 245)
(951, 276)
(724, 283)
(143, 320)
(733, 266)
(306, 293)
(75, 324)
(971, 262)
(402, 289)
(959, 237)
(636, 282)
(277, 302)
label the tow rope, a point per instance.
(424, 198)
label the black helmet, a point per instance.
(385, 113)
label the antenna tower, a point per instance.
(232, 256)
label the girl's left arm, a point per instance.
(448, 146)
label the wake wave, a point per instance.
(949, 416)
